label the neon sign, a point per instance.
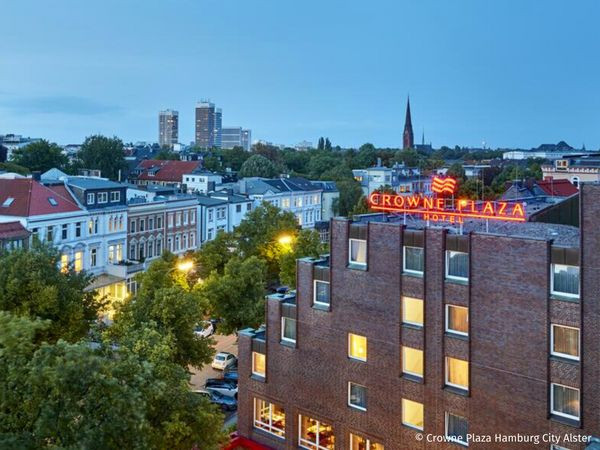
(440, 209)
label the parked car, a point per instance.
(204, 329)
(226, 403)
(224, 387)
(223, 360)
(231, 375)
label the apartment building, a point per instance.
(417, 335)
(154, 172)
(577, 169)
(403, 180)
(201, 181)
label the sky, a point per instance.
(510, 73)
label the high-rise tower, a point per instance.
(208, 125)
(168, 128)
(408, 138)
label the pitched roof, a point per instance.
(93, 183)
(11, 230)
(26, 197)
(166, 170)
(558, 188)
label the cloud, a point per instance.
(57, 104)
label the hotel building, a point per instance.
(415, 335)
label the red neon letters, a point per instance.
(440, 209)
(445, 185)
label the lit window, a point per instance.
(457, 265)
(357, 347)
(258, 364)
(64, 263)
(412, 311)
(565, 341)
(321, 293)
(358, 252)
(565, 280)
(457, 429)
(78, 261)
(457, 373)
(360, 443)
(564, 401)
(269, 417)
(288, 329)
(357, 396)
(315, 435)
(413, 260)
(93, 257)
(412, 414)
(412, 361)
(457, 319)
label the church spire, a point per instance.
(408, 138)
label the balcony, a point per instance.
(124, 268)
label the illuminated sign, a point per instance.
(440, 209)
(441, 185)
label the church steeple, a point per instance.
(408, 138)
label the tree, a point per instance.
(211, 163)
(214, 255)
(456, 170)
(258, 166)
(235, 157)
(366, 156)
(409, 157)
(327, 144)
(167, 154)
(104, 154)
(12, 167)
(40, 156)
(306, 244)
(337, 173)
(165, 302)
(321, 163)
(350, 193)
(237, 296)
(321, 144)
(361, 207)
(32, 285)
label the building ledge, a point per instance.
(560, 359)
(564, 298)
(258, 378)
(413, 275)
(321, 307)
(354, 266)
(412, 327)
(565, 421)
(455, 281)
(461, 337)
(413, 378)
(288, 344)
(457, 391)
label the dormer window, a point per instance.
(8, 202)
(102, 197)
(52, 201)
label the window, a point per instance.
(9, 201)
(93, 257)
(414, 260)
(64, 263)
(115, 253)
(102, 197)
(186, 217)
(78, 261)
(210, 215)
(457, 320)
(177, 248)
(357, 396)
(132, 251)
(170, 220)
(78, 229)
(192, 217)
(457, 373)
(565, 280)
(132, 226)
(64, 231)
(558, 447)
(178, 219)
(150, 223)
(269, 417)
(412, 311)
(209, 234)
(50, 234)
(564, 401)
(285, 203)
(115, 196)
(248, 206)
(321, 293)
(288, 329)
(150, 249)
(360, 443)
(457, 429)
(159, 222)
(358, 252)
(142, 225)
(259, 365)
(412, 361)
(315, 435)
(185, 241)
(412, 414)
(192, 240)
(564, 341)
(238, 208)
(357, 347)
(457, 265)
(158, 247)
(91, 199)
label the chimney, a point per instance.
(36, 175)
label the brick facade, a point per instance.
(508, 344)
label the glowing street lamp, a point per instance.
(185, 266)
(285, 239)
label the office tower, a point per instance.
(246, 139)
(208, 125)
(232, 137)
(168, 128)
(218, 128)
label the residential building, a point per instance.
(11, 142)
(329, 197)
(547, 151)
(13, 235)
(168, 128)
(576, 169)
(403, 180)
(162, 172)
(531, 189)
(412, 330)
(214, 213)
(201, 181)
(237, 207)
(236, 137)
(294, 194)
(303, 145)
(208, 125)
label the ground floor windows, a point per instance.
(564, 401)
(360, 443)
(412, 414)
(315, 435)
(457, 320)
(457, 429)
(269, 417)
(78, 261)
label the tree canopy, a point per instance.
(258, 166)
(40, 156)
(104, 154)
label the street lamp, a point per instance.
(285, 239)
(185, 266)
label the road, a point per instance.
(199, 377)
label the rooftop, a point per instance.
(165, 170)
(11, 230)
(26, 197)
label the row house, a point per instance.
(151, 172)
(222, 211)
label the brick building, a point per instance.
(409, 332)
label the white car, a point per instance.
(223, 360)
(205, 329)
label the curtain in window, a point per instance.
(458, 319)
(458, 372)
(566, 400)
(289, 330)
(566, 340)
(412, 361)
(322, 294)
(358, 251)
(458, 264)
(358, 395)
(566, 279)
(358, 443)
(414, 259)
(457, 427)
(412, 310)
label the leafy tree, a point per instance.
(409, 157)
(211, 163)
(361, 207)
(350, 193)
(40, 155)
(268, 151)
(104, 154)
(165, 302)
(167, 154)
(457, 171)
(235, 157)
(306, 244)
(214, 255)
(321, 144)
(327, 144)
(366, 156)
(32, 285)
(258, 166)
(12, 167)
(237, 296)
(321, 163)
(338, 173)
(296, 161)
